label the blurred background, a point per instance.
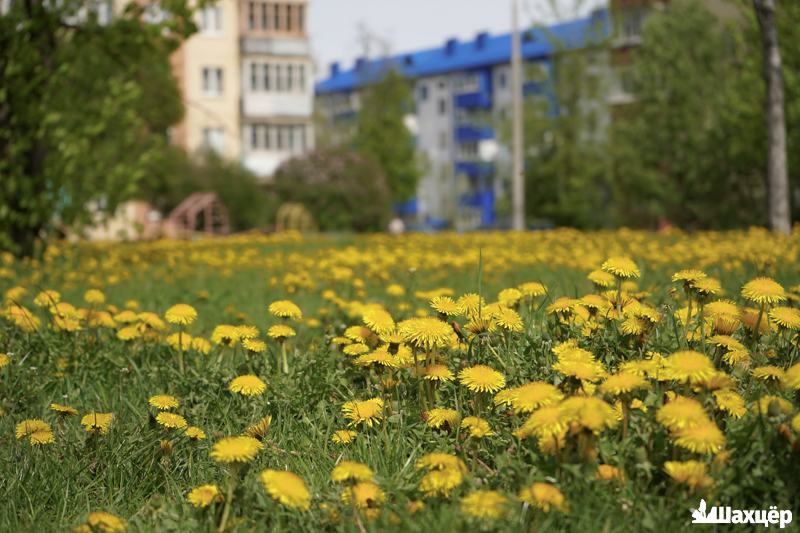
(139, 120)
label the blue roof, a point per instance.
(483, 51)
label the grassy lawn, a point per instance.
(361, 336)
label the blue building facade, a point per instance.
(462, 93)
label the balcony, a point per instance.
(474, 169)
(474, 100)
(473, 133)
(481, 201)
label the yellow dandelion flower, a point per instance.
(26, 427)
(786, 317)
(343, 436)
(530, 396)
(601, 278)
(247, 332)
(254, 346)
(439, 418)
(482, 378)
(97, 422)
(769, 373)
(509, 297)
(378, 320)
(366, 412)
(589, 412)
(610, 473)
(621, 267)
(287, 488)
(438, 372)
(791, 378)
(688, 276)
(544, 496)
(247, 385)
(103, 521)
(470, 305)
(730, 402)
(707, 287)
(688, 366)
(171, 420)
(94, 297)
(195, 433)
(426, 333)
(63, 410)
(508, 319)
(622, 383)
(364, 494)
(681, 412)
(441, 461)
(280, 332)
(285, 309)
(181, 314)
(351, 470)
(241, 449)
(204, 495)
(260, 428)
(485, 504)
(690, 473)
(701, 438)
(532, 289)
(773, 405)
(42, 437)
(441, 482)
(477, 427)
(545, 422)
(763, 290)
(201, 345)
(163, 402)
(225, 334)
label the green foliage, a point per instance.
(565, 167)
(692, 146)
(342, 190)
(178, 176)
(84, 109)
(381, 134)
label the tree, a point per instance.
(340, 188)
(777, 171)
(382, 135)
(84, 109)
(688, 148)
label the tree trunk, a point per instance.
(777, 171)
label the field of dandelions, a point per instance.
(512, 382)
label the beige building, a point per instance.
(247, 83)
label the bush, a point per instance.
(342, 189)
(246, 199)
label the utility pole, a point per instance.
(517, 177)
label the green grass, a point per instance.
(54, 487)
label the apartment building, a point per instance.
(462, 91)
(247, 83)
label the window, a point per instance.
(212, 81)
(301, 77)
(253, 76)
(423, 92)
(214, 139)
(279, 77)
(277, 26)
(254, 137)
(289, 76)
(211, 20)
(266, 16)
(501, 80)
(265, 75)
(442, 106)
(301, 19)
(443, 140)
(251, 15)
